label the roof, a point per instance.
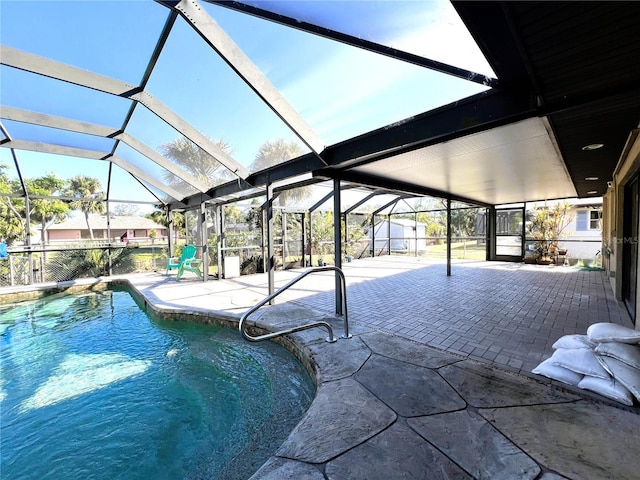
(556, 77)
(99, 222)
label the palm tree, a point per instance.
(90, 198)
(273, 153)
(196, 161)
(47, 210)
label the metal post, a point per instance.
(284, 238)
(109, 259)
(448, 237)
(303, 219)
(389, 234)
(415, 235)
(337, 240)
(523, 233)
(170, 242)
(346, 235)
(373, 235)
(310, 240)
(270, 260)
(27, 242)
(490, 229)
(219, 243)
(204, 239)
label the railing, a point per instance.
(330, 339)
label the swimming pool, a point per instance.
(92, 387)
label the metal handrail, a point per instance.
(331, 338)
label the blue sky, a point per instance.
(340, 91)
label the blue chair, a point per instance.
(3, 250)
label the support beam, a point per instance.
(198, 18)
(358, 42)
(59, 71)
(142, 175)
(361, 202)
(61, 123)
(202, 230)
(449, 238)
(170, 231)
(219, 242)
(270, 261)
(337, 240)
(42, 147)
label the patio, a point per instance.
(434, 384)
(504, 313)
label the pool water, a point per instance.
(92, 387)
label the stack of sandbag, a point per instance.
(606, 361)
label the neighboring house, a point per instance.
(122, 227)
(406, 235)
(583, 235)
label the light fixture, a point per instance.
(591, 179)
(591, 192)
(592, 146)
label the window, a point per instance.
(588, 220)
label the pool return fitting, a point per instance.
(331, 338)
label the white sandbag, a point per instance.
(626, 353)
(573, 341)
(623, 373)
(608, 388)
(555, 372)
(579, 360)
(612, 332)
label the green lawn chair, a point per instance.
(187, 261)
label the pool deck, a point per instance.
(435, 381)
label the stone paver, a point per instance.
(410, 390)
(584, 441)
(435, 382)
(342, 415)
(475, 445)
(380, 459)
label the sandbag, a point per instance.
(556, 372)
(579, 360)
(573, 341)
(612, 332)
(609, 388)
(623, 373)
(626, 353)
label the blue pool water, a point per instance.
(91, 387)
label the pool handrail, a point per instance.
(331, 338)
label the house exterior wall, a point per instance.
(583, 236)
(61, 235)
(613, 217)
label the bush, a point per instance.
(253, 264)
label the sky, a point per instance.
(340, 91)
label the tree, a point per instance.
(159, 216)
(195, 161)
(90, 199)
(46, 210)
(273, 153)
(126, 210)
(547, 226)
(13, 225)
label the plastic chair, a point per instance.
(188, 254)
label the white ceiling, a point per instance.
(513, 163)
